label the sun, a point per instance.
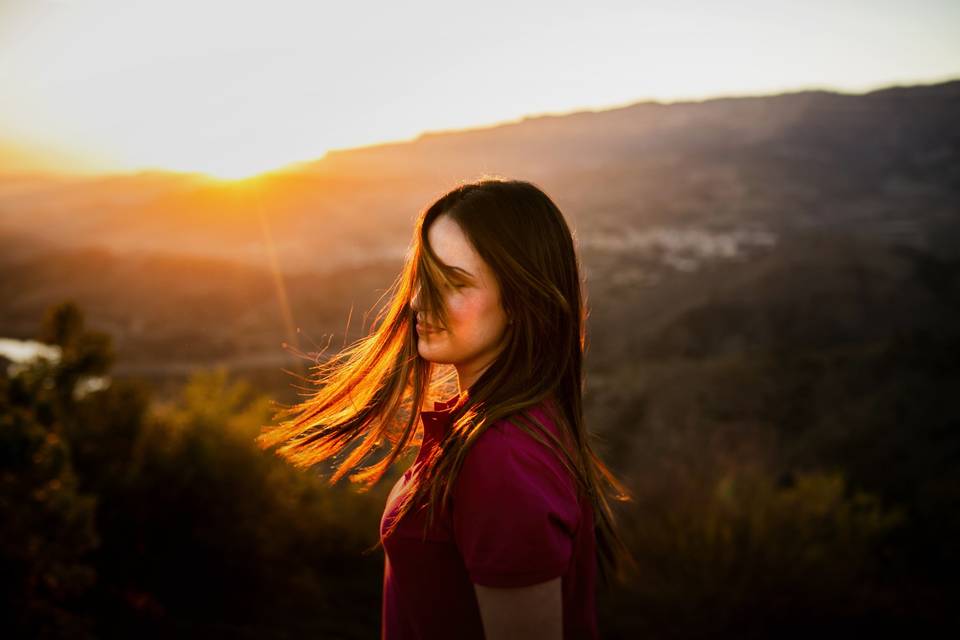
(222, 162)
(234, 168)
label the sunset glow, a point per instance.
(233, 89)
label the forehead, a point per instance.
(454, 249)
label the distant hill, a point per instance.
(884, 163)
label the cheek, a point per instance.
(462, 310)
(475, 318)
(466, 313)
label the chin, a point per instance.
(427, 352)
(436, 358)
(435, 354)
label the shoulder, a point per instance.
(524, 429)
(505, 454)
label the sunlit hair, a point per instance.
(372, 392)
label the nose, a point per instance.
(415, 301)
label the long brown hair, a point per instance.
(374, 389)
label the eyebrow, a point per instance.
(463, 271)
(459, 269)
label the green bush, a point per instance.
(746, 549)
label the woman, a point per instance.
(495, 529)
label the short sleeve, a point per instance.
(515, 510)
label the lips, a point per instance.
(426, 328)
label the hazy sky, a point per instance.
(237, 87)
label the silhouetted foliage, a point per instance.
(780, 490)
(48, 528)
(123, 515)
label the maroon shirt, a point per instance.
(516, 519)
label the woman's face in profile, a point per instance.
(476, 319)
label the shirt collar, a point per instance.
(436, 422)
(446, 405)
